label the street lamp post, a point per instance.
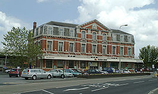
(5, 60)
(119, 66)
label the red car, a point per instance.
(15, 72)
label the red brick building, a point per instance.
(81, 46)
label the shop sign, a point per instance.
(102, 59)
(49, 57)
(93, 64)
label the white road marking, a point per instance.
(153, 80)
(123, 84)
(99, 89)
(76, 89)
(47, 91)
(139, 82)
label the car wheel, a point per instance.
(34, 77)
(62, 76)
(10, 76)
(26, 78)
(17, 75)
(74, 75)
(49, 77)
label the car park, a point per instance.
(15, 72)
(59, 73)
(35, 74)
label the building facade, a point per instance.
(89, 45)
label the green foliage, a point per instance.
(149, 55)
(33, 49)
(19, 46)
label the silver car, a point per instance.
(35, 73)
(59, 73)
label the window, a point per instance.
(83, 46)
(55, 31)
(60, 64)
(129, 52)
(125, 38)
(118, 37)
(71, 64)
(60, 46)
(129, 38)
(48, 63)
(41, 30)
(71, 33)
(71, 46)
(83, 35)
(36, 31)
(94, 36)
(50, 30)
(113, 50)
(61, 31)
(39, 43)
(94, 49)
(132, 39)
(104, 49)
(66, 32)
(49, 45)
(121, 38)
(121, 51)
(113, 37)
(83, 64)
(104, 37)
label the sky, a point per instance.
(140, 15)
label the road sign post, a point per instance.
(89, 63)
(63, 68)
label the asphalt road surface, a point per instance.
(136, 86)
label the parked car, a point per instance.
(93, 71)
(15, 72)
(35, 74)
(7, 70)
(109, 69)
(127, 71)
(77, 70)
(59, 73)
(75, 73)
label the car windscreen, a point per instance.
(25, 71)
(13, 69)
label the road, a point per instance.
(138, 86)
(115, 85)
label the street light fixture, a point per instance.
(123, 25)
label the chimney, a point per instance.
(34, 26)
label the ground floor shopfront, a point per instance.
(48, 63)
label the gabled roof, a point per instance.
(96, 22)
(62, 24)
(119, 31)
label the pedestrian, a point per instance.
(141, 70)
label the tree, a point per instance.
(20, 47)
(33, 50)
(149, 55)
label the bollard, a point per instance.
(155, 74)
